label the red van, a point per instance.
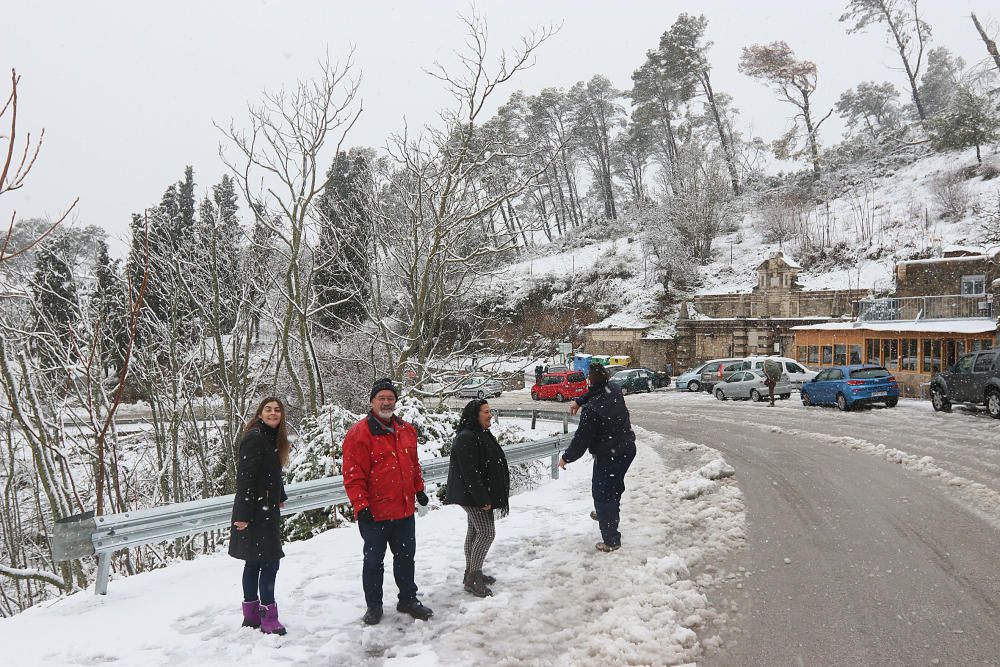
(560, 386)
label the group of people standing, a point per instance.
(383, 480)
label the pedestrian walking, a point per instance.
(605, 430)
(538, 374)
(382, 477)
(478, 481)
(255, 536)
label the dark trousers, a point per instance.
(260, 575)
(400, 536)
(608, 485)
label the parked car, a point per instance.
(974, 378)
(717, 370)
(796, 372)
(560, 386)
(479, 386)
(848, 386)
(632, 380)
(690, 379)
(751, 385)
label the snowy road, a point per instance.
(860, 551)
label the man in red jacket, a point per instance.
(381, 477)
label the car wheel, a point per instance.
(694, 386)
(560, 398)
(755, 395)
(480, 395)
(939, 401)
(626, 391)
(806, 401)
(719, 395)
(785, 397)
(891, 403)
(534, 395)
(649, 386)
(993, 403)
(842, 403)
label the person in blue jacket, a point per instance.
(605, 430)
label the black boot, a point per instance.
(372, 616)
(415, 609)
(475, 584)
(487, 578)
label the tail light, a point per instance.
(891, 378)
(855, 383)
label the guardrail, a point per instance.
(86, 535)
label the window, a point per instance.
(986, 344)
(984, 362)
(973, 285)
(855, 354)
(813, 354)
(873, 354)
(964, 365)
(890, 353)
(576, 377)
(931, 361)
(909, 346)
(823, 375)
(801, 353)
(827, 354)
(835, 374)
(794, 368)
(868, 373)
(840, 354)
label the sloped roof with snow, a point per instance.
(971, 325)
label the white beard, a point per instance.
(385, 415)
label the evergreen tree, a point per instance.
(56, 304)
(345, 250)
(971, 119)
(941, 80)
(108, 308)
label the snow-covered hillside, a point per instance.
(878, 217)
(557, 600)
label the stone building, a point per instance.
(760, 321)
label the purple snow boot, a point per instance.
(269, 623)
(251, 614)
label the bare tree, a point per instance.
(435, 243)
(991, 45)
(278, 167)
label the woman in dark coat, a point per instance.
(256, 530)
(479, 481)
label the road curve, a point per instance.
(849, 559)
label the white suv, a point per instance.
(796, 372)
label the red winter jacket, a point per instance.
(381, 469)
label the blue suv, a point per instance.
(847, 386)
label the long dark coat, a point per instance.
(605, 427)
(477, 473)
(259, 491)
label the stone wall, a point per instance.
(780, 303)
(612, 341)
(938, 277)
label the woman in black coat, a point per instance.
(256, 523)
(479, 481)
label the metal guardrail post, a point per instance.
(534, 418)
(103, 573)
(555, 466)
(565, 422)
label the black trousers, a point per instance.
(607, 486)
(400, 536)
(259, 575)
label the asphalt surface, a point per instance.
(849, 559)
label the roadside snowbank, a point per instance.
(557, 600)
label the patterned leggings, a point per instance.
(478, 537)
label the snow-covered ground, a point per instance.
(557, 600)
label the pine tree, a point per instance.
(108, 309)
(345, 250)
(56, 304)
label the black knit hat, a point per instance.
(384, 383)
(598, 375)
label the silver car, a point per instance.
(750, 385)
(479, 387)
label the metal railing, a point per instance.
(86, 535)
(949, 306)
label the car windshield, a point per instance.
(868, 373)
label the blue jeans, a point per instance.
(260, 573)
(400, 535)
(608, 485)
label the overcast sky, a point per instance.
(127, 91)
